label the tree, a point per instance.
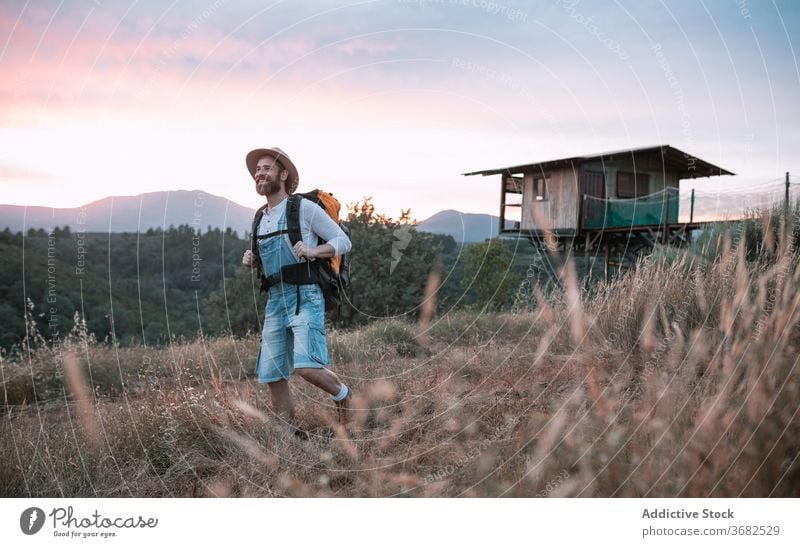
(488, 274)
(238, 309)
(391, 264)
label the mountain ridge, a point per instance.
(199, 209)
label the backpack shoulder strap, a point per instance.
(256, 221)
(254, 234)
(293, 218)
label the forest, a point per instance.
(179, 282)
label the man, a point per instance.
(293, 338)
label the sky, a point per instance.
(388, 99)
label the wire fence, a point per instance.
(703, 205)
(693, 205)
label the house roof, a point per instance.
(688, 166)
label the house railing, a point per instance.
(653, 209)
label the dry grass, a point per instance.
(678, 379)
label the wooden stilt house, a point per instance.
(625, 198)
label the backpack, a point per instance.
(332, 274)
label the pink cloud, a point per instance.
(18, 174)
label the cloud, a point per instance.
(316, 76)
(9, 173)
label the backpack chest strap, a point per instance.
(272, 234)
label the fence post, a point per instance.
(691, 208)
(786, 195)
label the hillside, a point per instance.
(648, 386)
(135, 213)
(463, 227)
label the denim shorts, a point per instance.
(290, 340)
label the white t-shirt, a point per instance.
(314, 224)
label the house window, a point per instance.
(632, 185)
(540, 185)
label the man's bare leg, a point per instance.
(329, 382)
(281, 397)
(322, 378)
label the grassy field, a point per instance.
(677, 379)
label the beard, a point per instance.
(270, 186)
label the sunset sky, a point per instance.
(393, 99)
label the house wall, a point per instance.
(560, 209)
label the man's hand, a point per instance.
(302, 250)
(249, 259)
(325, 250)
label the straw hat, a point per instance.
(254, 155)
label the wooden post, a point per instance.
(502, 204)
(586, 260)
(605, 260)
(582, 213)
(666, 218)
(786, 198)
(691, 208)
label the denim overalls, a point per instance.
(291, 338)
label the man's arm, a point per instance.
(321, 224)
(325, 250)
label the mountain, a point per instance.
(199, 209)
(135, 213)
(464, 227)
